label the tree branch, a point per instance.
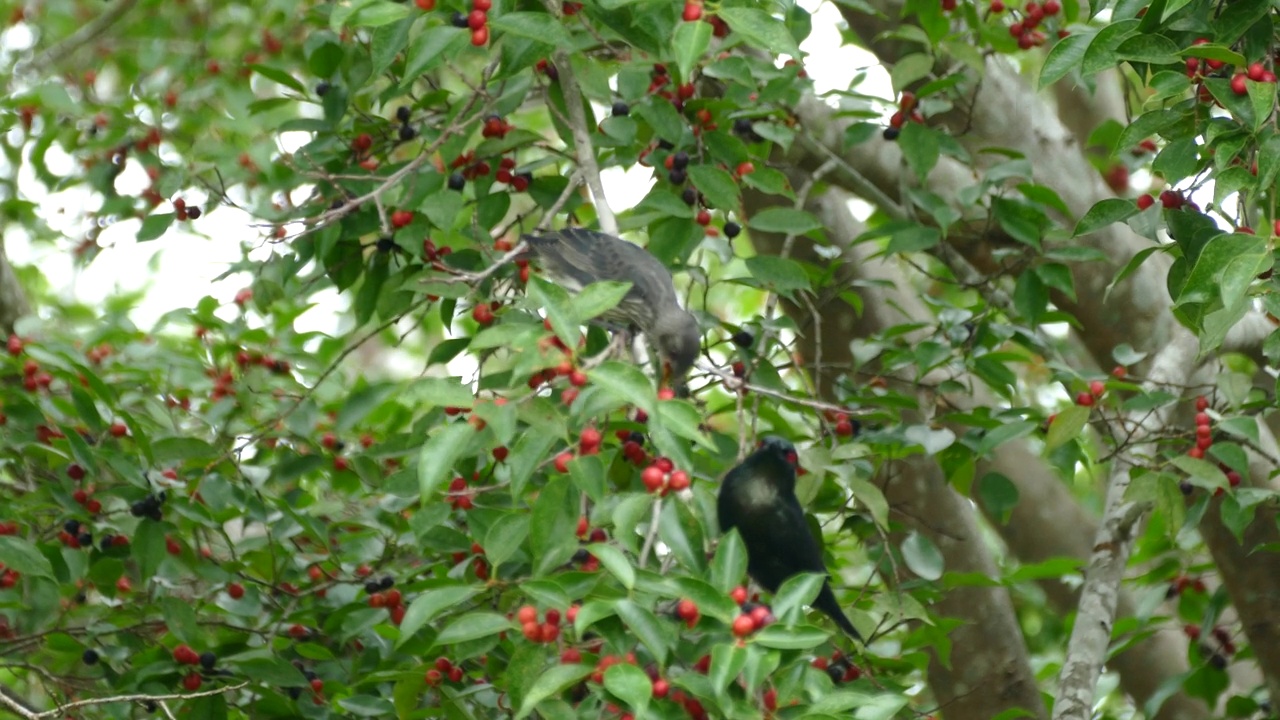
(8, 699)
(583, 149)
(1091, 635)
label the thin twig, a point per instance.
(8, 700)
(85, 35)
(583, 149)
(651, 536)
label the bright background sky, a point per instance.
(179, 269)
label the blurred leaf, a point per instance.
(20, 555)
(438, 456)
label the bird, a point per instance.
(576, 257)
(758, 498)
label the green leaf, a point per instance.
(655, 634)
(1268, 161)
(598, 298)
(796, 592)
(504, 538)
(376, 13)
(554, 511)
(1104, 213)
(537, 26)
(18, 554)
(473, 626)
(433, 43)
(922, 557)
(1065, 56)
(181, 620)
(690, 43)
(730, 563)
(727, 661)
(998, 495)
(155, 226)
(627, 682)
(446, 445)
(265, 669)
(679, 530)
(801, 637)
(626, 382)
(1152, 49)
(554, 300)
(367, 706)
(1066, 427)
(429, 604)
(554, 681)
(921, 146)
(716, 185)
(779, 274)
(615, 562)
(784, 220)
(761, 29)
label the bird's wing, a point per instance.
(585, 256)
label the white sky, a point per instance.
(178, 269)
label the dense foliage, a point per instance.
(226, 505)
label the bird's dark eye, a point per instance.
(793, 458)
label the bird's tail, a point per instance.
(826, 602)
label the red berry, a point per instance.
(1201, 404)
(571, 656)
(480, 37)
(484, 5)
(192, 682)
(118, 430)
(1238, 84)
(653, 478)
(1051, 7)
(394, 598)
(235, 590)
(1084, 399)
(745, 168)
(500, 453)
(679, 480)
(1257, 71)
(477, 19)
(666, 393)
(298, 631)
(433, 677)
(532, 631)
(1233, 478)
(703, 218)
(577, 378)
(527, 614)
(400, 218)
(482, 314)
(743, 625)
(738, 594)
(1097, 387)
(425, 5)
(1145, 201)
(562, 461)
(549, 632)
(692, 12)
(80, 496)
(1191, 631)
(661, 688)
(569, 395)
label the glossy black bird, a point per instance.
(577, 257)
(758, 497)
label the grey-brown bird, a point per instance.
(577, 257)
(758, 497)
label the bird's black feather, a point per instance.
(758, 499)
